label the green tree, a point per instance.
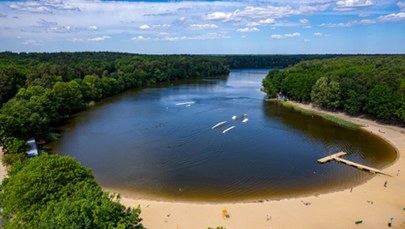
(326, 93)
(68, 97)
(382, 102)
(57, 192)
(10, 80)
(15, 145)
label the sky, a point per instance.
(204, 27)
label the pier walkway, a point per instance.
(338, 157)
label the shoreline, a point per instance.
(370, 202)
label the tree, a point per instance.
(15, 145)
(382, 102)
(10, 80)
(57, 192)
(326, 93)
(68, 97)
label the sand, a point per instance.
(371, 204)
(3, 169)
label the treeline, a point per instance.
(42, 94)
(45, 69)
(271, 61)
(372, 85)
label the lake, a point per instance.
(159, 143)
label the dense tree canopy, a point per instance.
(270, 61)
(57, 192)
(373, 85)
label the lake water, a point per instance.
(159, 143)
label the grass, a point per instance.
(328, 117)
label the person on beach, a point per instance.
(385, 184)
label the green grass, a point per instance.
(340, 122)
(328, 117)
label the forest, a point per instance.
(271, 61)
(358, 85)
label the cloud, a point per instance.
(144, 27)
(43, 6)
(248, 30)
(164, 36)
(267, 21)
(261, 14)
(349, 23)
(218, 16)
(285, 36)
(318, 34)
(344, 5)
(270, 11)
(396, 17)
(304, 21)
(92, 28)
(96, 39)
(140, 38)
(203, 26)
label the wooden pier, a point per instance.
(338, 157)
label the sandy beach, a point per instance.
(369, 205)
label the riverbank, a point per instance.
(371, 205)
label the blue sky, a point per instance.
(204, 27)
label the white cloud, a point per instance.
(267, 21)
(349, 23)
(218, 16)
(101, 38)
(344, 5)
(140, 38)
(207, 36)
(144, 27)
(203, 26)
(260, 14)
(318, 34)
(42, 6)
(92, 27)
(304, 21)
(393, 17)
(285, 36)
(248, 30)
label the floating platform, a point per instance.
(338, 157)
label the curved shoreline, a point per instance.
(370, 202)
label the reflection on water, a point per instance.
(159, 142)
